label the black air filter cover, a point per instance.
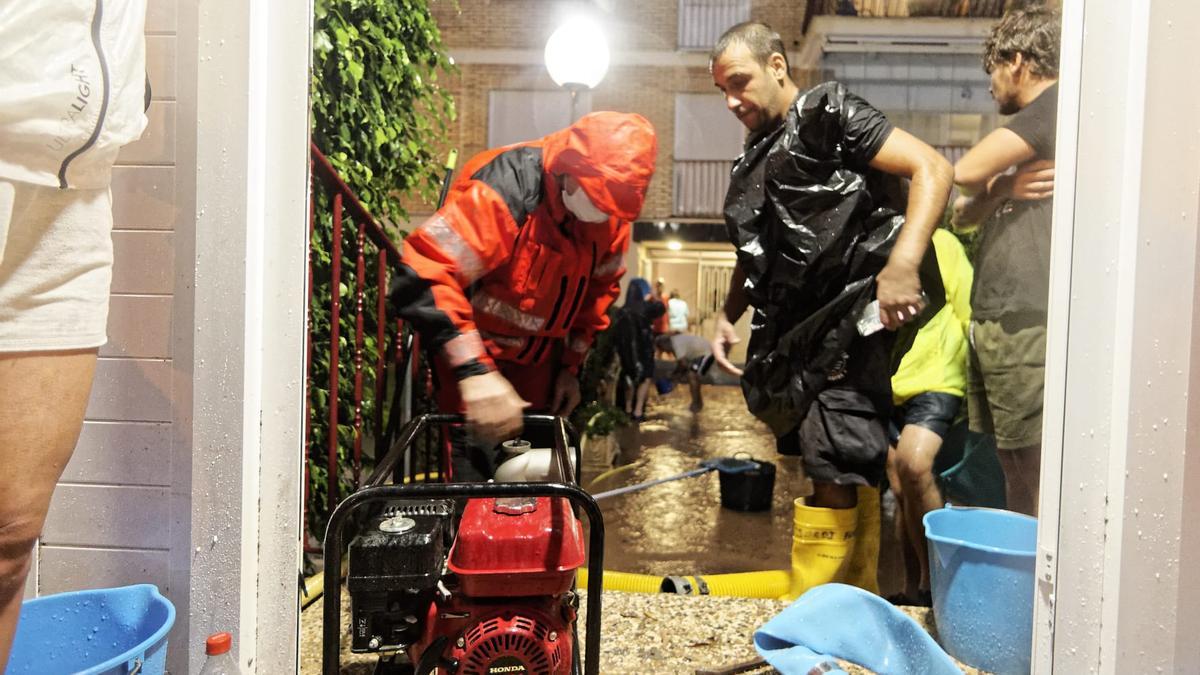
(393, 567)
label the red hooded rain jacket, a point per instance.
(503, 272)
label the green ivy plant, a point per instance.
(381, 116)
(595, 417)
(379, 110)
(599, 419)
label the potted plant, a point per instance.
(599, 444)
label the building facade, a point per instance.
(924, 72)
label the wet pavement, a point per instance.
(680, 528)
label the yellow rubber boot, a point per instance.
(862, 569)
(822, 540)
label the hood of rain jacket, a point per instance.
(503, 271)
(611, 155)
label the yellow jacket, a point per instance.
(938, 359)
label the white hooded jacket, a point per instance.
(72, 88)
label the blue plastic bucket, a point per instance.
(113, 631)
(981, 564)
(664, 385)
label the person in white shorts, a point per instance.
(72, 92)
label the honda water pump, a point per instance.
(493, 598)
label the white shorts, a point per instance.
(55, 267)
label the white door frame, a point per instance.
(1111, 596)
(251, 173)
(1119, 366)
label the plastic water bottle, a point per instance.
(220, 660)
(869, 322)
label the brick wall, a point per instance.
(646, 90)
(631, 24)
(649, 25)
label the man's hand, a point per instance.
(566, 394)
(493, 407)
(899, 293)
(724, 338)
(1034, 180)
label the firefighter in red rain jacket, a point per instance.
(511, 279)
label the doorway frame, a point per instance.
(1118, 484)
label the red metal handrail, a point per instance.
(392, 410)
(367, 232)
(324, 171)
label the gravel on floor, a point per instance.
(642, 633)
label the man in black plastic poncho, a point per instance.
(823, 228)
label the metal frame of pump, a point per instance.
(392, 466)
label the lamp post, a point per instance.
(577, 56)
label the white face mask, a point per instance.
(582, 207)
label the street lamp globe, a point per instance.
(577, 54)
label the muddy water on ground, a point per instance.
(680, 528)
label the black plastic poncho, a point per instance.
(813, 224)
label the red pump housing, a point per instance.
(514, 559)
(517, 547)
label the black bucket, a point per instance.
(750, 490)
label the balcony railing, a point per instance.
(701, 22)
(905, 8)
(700, 188)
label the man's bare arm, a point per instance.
(995, 154)
(724, 335)
(1032, 181)
(899, 287)
(980, 177)
(736, 301)
(970, 211)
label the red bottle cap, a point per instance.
(218, 643)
